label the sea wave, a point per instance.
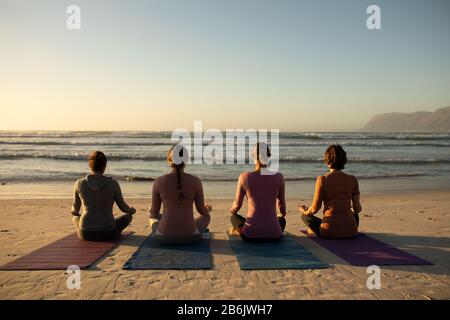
(84, 143)
(323, 143)
(283, 135)
(369, 160)
(85, 134)
(78, 157)
(159, 157)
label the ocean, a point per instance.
(379, 160)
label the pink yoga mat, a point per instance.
(64, 252)
(366, 251)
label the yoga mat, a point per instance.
(151, 255)
(64, 252)
(287, 253)
(366, 251)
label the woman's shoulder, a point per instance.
(80, 180)
(348, 176)
(78, 183)
(164, 177)
(192, 178)
(246, 174)
(273, 175)
(158, 180)
(279, 175)
(276, 175)
(353, 178)
(338, 175)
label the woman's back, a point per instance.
(178, 215)
(96, 194)
(338, 190)
(262, 192)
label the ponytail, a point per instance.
(177, 165)
(178, 172)
(268, 154)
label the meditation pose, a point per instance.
(178, 191)
(339, 193)
(96, 195)
(262, 189)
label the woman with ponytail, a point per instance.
(177, 192)
(339, 193)
(264, 190)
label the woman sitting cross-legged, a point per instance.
(96, 195)
(178, 191)
(262, 189)
(339, 193)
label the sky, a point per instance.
(159, 65)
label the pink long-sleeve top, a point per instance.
(264, 193)
(178, 215)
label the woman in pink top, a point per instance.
(262, 189)
(178, 191)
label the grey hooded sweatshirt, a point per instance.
(97, 194)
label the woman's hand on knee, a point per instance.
(302, 208)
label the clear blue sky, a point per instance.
(160, 65)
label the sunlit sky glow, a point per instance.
(160, 65)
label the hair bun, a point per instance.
(262, 157)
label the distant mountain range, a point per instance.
(421, 121)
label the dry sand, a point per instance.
(417, 223)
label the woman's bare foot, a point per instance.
(311, 233)
(233, 231)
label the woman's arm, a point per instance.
(239, 197)
(118, 198)
(317, 201)
(281, 198)
(156, 202)
(356, 205)
(76, 204)
(200, 201)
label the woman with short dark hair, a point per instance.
(96, 195)
(339, 193)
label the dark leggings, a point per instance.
(238, 221)
(121, 223)
(314, 223)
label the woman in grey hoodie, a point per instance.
(96, 194)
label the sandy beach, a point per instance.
(416, 222)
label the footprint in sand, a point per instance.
(129, 283)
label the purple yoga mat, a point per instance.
(366, 251)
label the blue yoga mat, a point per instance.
(152, 255)
(287, 253)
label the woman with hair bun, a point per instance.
(94, 197)
(177, 192)
(339, 193)
(264, 190)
